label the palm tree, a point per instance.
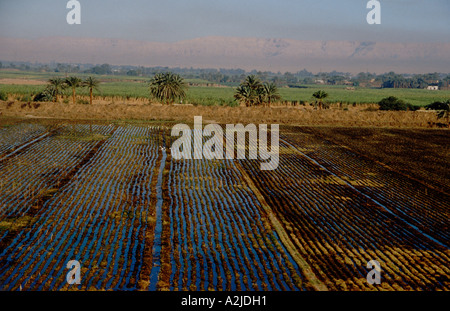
(92, 84)
(73, 82)
(253, 82)
(250, 91)
(253, 92)
(244, 95)
(56, 86)
(320, 95)
(167, 87)
(271, 93)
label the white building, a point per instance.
(433, 88)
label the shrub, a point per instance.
(44, 96)
(392, 103)
(438, 106)
(3, 96)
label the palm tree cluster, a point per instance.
(253, 92)
(57, 85)
(167, 87)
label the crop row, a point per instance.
(219, 237)
(418, 205)
(99, 217)
(18, 134)
(98, 202)
(338, 230)
(34, 174)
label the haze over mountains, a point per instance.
(234, 52)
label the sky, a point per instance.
(177, 20)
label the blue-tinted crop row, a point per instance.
(98, 218)
(18, 134)
(219, 240)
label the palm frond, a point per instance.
(167, 87)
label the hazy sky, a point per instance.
(174, 20)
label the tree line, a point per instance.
(393, 80)
(233, 77)
(56, 86)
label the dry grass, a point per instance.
(359, 116)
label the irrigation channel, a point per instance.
(113, 198)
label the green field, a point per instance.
(137, 87)
(366, 95)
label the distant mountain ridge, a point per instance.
(235, 52)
